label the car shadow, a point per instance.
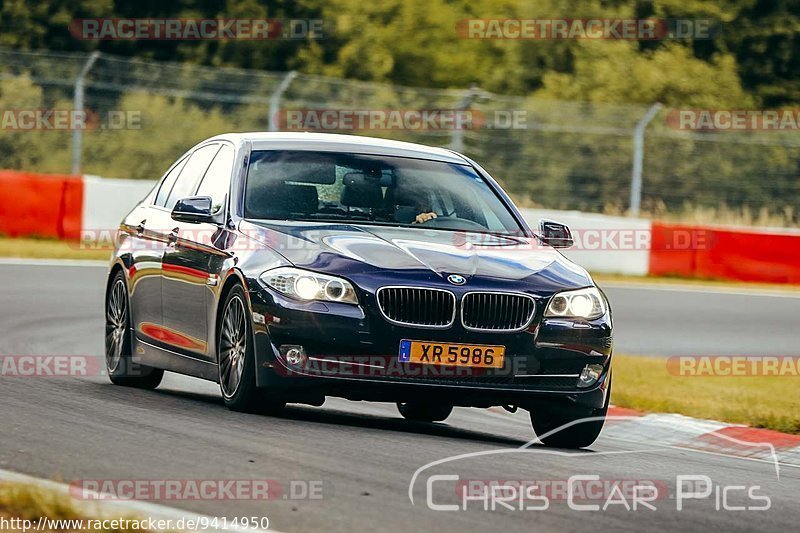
(386, 423)
(337, 417)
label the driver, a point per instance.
(411, 192)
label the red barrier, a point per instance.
(40, 205)
(72, 213)
(666, 258)
(735, 254)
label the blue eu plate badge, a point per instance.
(405, 351)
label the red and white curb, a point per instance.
(703, 435)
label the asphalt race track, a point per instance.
(669, 320)
(363, 456)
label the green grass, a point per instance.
(771, 402)
(24, 501)
(18, 500)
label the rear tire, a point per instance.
(424, 412)
(236, 359)
(119, 365)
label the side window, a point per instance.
(216, 182)
(191, 174)
(169, 181)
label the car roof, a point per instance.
(329, 142)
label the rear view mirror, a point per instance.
(194, 209)
(555, 234)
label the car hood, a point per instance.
(349, 249)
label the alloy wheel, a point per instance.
(116, 324)
(232, 347)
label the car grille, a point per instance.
(412, 306)
(489, 311)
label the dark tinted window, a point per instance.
(191, 174)
(366, 189)
(217, 180)
(169, 181)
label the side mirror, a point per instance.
(555, 234)
(194, 209)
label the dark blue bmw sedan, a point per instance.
(291, 267)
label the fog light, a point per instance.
(589, 375)
(294, 355)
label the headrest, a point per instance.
(361, 191)
(407, 189)
(281, 200)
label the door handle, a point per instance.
(140, 227)
(173, 236)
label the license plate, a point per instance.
(439, 353)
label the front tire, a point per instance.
(121, 368)
(424, 412)
(577, 435)
(236, 359)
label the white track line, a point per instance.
(28, 261)
(99, 508)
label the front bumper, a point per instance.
(352, 353)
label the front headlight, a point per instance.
(583, 303)
(305, 285)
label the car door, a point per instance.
(146, 245)
(215, 239)
(185, 274)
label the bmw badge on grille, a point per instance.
(455, 279)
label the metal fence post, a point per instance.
(457, 137)
(638, 159)
(77, 106)
(275, 100)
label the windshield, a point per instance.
(383, 190)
